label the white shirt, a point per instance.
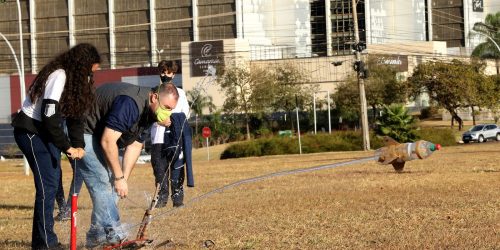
(182, 106)
(54, 87)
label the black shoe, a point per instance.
(178, 204)
(161, 204)
(177, 193)
(177, 199)
(59, 246)
(63, 216)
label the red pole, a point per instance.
(74, 209)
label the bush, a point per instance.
(338, 141)
(396, 123)
(443, 136)
(10, 151)
(428, 112)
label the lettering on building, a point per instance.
(203, 54)
(399, 62)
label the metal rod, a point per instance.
(329, 118)
(314, 108)
(298, 130)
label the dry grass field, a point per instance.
(449, 201)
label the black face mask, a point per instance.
(165, 79)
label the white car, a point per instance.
(481, 133)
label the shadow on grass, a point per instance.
(15, 244)
(12, 206)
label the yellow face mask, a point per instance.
(162, 113)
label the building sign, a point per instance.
(477, 5)
(203, 54)
(399, 62)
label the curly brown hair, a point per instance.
(168, 66)
(79, 93)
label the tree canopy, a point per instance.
(253, 90)
(453, 85)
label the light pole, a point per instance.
(23, 94)
(17, 64)
(328, 103)
(158, 54)
(489, 37)
(20, 68)
(21, 76)
(21, 52)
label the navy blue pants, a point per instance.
(44, 160)
(160, 162)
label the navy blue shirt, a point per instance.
(123, 114)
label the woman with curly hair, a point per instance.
(62, 90)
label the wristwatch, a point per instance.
(119, 178)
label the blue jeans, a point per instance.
(76, 182)
(105, 226)
(60, 200)
(44, 160)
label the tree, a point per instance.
(482, 91)
(238, 83)
(396, 123)
(490, 28)
(452, 85)
(382, 88)
(494, 99)
(346, 98)
(289, 85)
(258, 90)
(198, 102)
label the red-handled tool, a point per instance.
(74, 209)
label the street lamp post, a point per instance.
(21, 76)
(158, 54)
(20, 68)
(17, 63)
(21, 81)
(314, 107)
(21, 52)
(491, 39)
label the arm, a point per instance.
(51, 116)
(75, 134)
(110, 148)
(121, 117)
(75, 131)
(130, 157)
(52, 120)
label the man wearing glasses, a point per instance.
(121, 113)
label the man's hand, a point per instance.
(166, 123)
(121, 187)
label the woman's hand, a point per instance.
(75, 153)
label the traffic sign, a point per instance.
(206, 132)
